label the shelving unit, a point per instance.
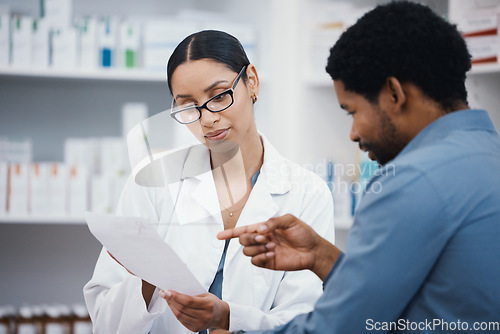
(77, 74)
(96, 74)
(484, 69)
(325, 81)
(49, 219)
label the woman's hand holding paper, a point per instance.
(198, 313)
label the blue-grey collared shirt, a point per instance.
(423, 255)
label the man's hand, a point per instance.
(198, 313)
(285, 243)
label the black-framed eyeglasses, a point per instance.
(190, 113)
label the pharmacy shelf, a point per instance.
(41, 219)
(325, 81)
(484, 68)
(97, 74)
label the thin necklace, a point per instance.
(230, 195)
(231, 212)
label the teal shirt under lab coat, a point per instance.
(423, 255)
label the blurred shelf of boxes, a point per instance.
(61, 44)
(90, 177)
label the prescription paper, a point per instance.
(136, 244)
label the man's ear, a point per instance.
(253, 82)
(397, 95)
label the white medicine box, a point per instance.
(21, 41)
(40, 44)
(3, 187)
(18, 185)
(4, 36)
(39, 188)
(78, 184)
(58, 188)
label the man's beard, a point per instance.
(390, 141)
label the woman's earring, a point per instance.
(254, 98)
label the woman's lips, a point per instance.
(217, 135)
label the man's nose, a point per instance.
(354, 136)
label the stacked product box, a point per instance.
(4, 35)
(479, 22)
(91, 178)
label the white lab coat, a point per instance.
(258, 298)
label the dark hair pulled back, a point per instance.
(208, 44)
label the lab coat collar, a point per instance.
(197, 163)
(276, 172)
(201, 190)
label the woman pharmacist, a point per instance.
(214, 88)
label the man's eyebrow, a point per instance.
(343, 106)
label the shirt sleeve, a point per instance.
(299, 290)
(399, 231)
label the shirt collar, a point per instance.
(468, 119)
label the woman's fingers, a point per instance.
(185, 302)
(185, 308)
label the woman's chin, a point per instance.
(222, 146)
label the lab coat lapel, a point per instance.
(205, 195)
(272, 182)
(198, 218)
(198, 197)
(260, 207)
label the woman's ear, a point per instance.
(253, 82)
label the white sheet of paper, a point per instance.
(136, 244)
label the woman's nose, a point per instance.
(208, 118)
